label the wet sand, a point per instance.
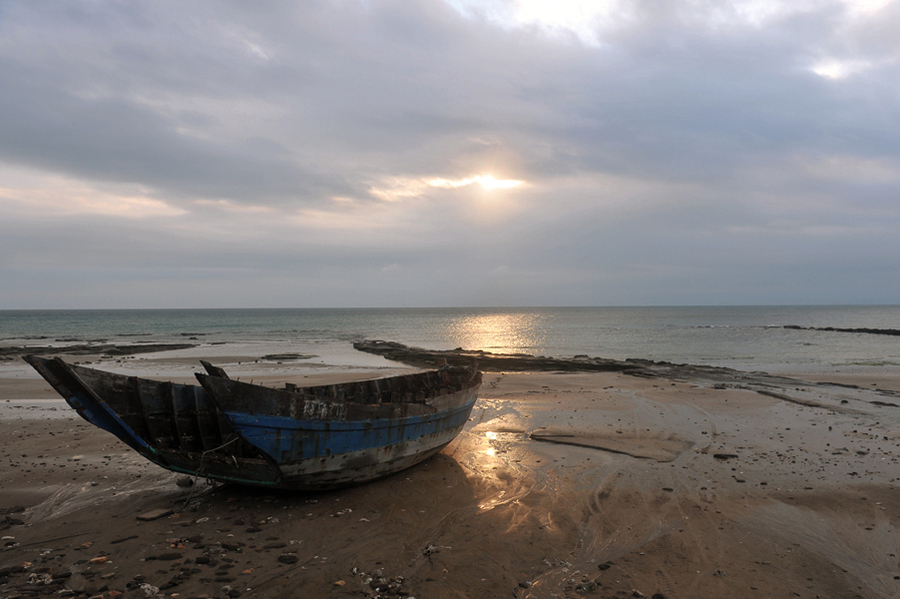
(568, 484)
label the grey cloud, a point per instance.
(285, 105)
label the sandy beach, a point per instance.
(573, 484)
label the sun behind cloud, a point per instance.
(488, 182)
(397, 188)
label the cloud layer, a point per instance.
(414, 153)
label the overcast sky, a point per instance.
(449, 153)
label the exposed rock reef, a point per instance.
(90, 349)
(432, 358)
(867, 331)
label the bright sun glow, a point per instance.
(488, 182)
(398, 188)
(839, 69)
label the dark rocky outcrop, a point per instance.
(430, 358)
(866, 331)
(91, 349)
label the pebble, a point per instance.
(155, 515)
(168, 557)
(122, 540)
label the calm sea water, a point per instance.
(750, 338)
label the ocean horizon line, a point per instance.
(412, 308)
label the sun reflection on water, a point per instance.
(499, 333)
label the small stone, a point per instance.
(287, 558)
(122, 540)
(99, 560)
(587, 587)
(155, 515)
(338, 583)
(168, 557)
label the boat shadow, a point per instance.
(442, 471)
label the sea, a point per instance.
(758, 338)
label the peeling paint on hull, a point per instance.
(295, 438)
(386, 447)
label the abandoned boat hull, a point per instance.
(310, 438)
(326, 452)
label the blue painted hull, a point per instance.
(298, 438)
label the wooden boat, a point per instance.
(308, 438)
